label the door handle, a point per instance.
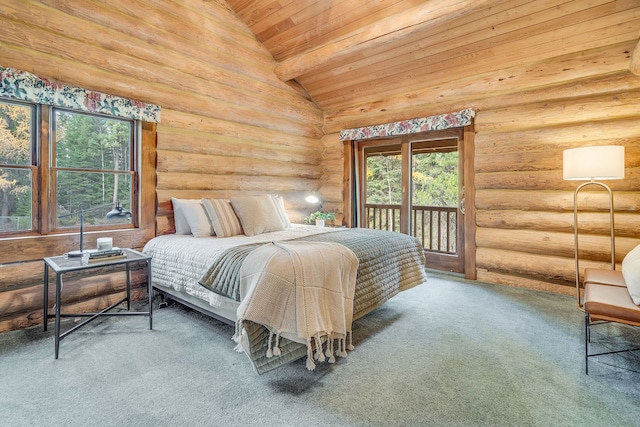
(461, 202)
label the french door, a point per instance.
(414, 184)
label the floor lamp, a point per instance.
(591, 163)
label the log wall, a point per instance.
(229, 126)
(524, 209)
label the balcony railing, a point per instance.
(434, 226)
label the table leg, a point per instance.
(150, 294)
(46, 295)
(128, 287)
(58, 292)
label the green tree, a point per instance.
(15, 149)
(434, 179)
(384, 179)
(91, 143)
(91, 166)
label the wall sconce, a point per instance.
(591, 163)
(312, 198)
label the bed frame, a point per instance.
(166, 294)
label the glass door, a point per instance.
(413, 185)
(436, 192)
(383, 184)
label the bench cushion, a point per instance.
(604, 277)
(610, 302)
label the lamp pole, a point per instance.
(575, 231)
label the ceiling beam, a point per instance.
(383, 32)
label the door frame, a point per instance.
(354, 187)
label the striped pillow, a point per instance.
(223, 219)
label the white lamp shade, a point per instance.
(587, 163)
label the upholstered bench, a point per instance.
(607, 298)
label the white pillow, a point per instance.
(282, 213)
(631, 273)
(182, 226)
(257, 214)
(197, 219)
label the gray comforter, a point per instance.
(388, 263)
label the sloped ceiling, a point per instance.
(365, 52)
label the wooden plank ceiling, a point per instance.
(350, 52)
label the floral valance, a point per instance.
(405, 127)
(28, 87)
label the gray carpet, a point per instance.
(447, 353)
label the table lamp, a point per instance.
(117, 212)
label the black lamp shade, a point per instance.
(118, 211)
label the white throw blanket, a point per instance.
(303, 291)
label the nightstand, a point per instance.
(62, 265)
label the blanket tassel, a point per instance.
(237, 337)
(276, 348)
(269, 349)
(332, 359)
(310, 365)
(319, 354)
(341, 352)
(350, 347)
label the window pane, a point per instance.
(435, 179)
(384, 179)
(15, 199)
(92, 142)
(15, 134)
(94, 193)
(16, 139)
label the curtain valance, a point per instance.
(404, 127)
(28, 87)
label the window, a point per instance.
(91, 168)
(18, 166)
(83, 163)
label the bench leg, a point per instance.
(587, 338)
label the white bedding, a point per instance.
(179, 261)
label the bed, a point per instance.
(387, 263)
